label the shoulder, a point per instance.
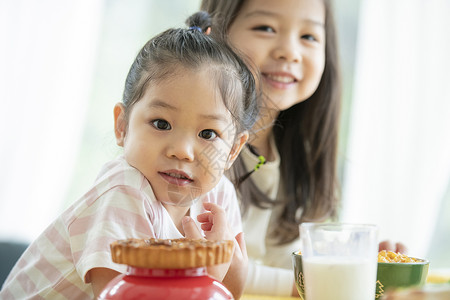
(118, 186)
(119, 172)
(119, 176)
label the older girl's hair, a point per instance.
(306, 136)
(176, 49)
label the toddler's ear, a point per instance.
(119, 123)
(240, 141)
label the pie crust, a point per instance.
(171, 253)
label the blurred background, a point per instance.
(63, 65)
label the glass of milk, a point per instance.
(339, 260)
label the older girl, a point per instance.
(293, 44)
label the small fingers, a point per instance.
(205, 217)
(206, 220)
(218, 217)
(214, 222)
(206, 226)
(214, 208)
(191, 230)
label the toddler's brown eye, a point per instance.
(207, 134)
(161, 125)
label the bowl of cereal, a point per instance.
(395, 270)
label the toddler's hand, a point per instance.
(192, 231)
(214, 223)
(215, 226)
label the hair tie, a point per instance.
(196, 28)
(262, 161)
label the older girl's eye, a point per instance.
(161, 124)
(207, 134)
(264, 28)
(309, 37)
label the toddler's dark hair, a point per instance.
(176, 49)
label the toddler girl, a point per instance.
(187, 105)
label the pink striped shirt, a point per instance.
(120, 205)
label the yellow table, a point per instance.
(435, 277)
(439, 276)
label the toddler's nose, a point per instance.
(182, 148)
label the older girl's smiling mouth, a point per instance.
(279, 80)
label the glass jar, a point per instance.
(165, 284)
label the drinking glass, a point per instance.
(339, 260)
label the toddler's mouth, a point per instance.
(176, 177)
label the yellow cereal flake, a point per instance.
(394, 257)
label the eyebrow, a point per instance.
(161, 104)
(260, 13)
(216, 117)
(272, 14)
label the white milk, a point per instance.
(328, 278)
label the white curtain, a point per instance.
(398, 163)
(46, 57)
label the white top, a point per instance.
(120, 205)
(270, 265)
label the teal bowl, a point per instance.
(390, 276)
